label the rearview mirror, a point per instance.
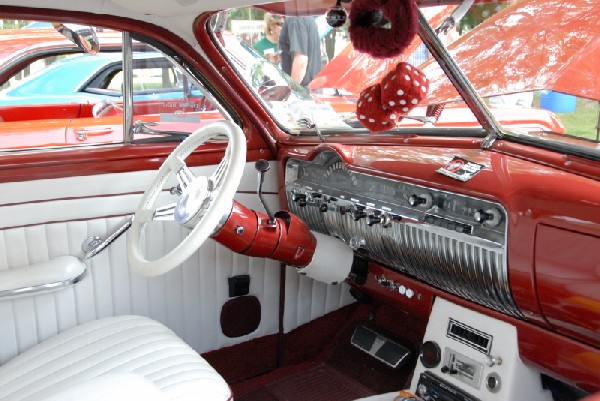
(83, 36)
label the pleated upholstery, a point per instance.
(114, 345)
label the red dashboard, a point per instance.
(545, 242)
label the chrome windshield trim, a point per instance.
(460, 82)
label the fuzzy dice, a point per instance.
(380, 106)
(403, 88)
(372, 113)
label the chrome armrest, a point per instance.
(57, 273)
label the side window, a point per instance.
(58, 96)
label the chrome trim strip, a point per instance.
(44, 287)
(127, 88)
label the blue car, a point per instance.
(90, 78)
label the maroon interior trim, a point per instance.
(569, 361)
(246, 360)
(26, 166)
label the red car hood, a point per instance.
(521, 56)
(353, 71)
(538, 46)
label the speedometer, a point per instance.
(338, 176)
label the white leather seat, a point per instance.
(121, 346)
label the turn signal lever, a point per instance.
(262, 166)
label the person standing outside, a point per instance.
(268, 46)
(300, 49)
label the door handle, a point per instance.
(83, 133)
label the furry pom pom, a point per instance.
(369, 30)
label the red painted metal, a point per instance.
(567, 272)
(418, 305)
(287, 239)
(532, 192)
(296, 244)
(115, 158)
(239, 231)
(354, 71)
(573, 361)
(547, 49)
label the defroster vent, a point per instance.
(469, 336)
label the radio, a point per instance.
(433, 388)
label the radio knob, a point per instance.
(449, 370)
(323, 207)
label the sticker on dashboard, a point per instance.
(460, 169)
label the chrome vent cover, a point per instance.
(441, 246)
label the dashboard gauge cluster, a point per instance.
(327, 183)
(452, 241)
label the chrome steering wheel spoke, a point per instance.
(201, 205)
(165, 213)
(184, 176)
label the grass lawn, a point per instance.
(582, 122)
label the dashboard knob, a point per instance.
(323, 207)
(490, 217)
(359, 213)
(373, 219)
(344, 209)
(449, 370)
(425, 200)
(297, 197)
(300, 199)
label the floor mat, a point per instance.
(321, 383)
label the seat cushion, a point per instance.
(111, 386)
(114, 345)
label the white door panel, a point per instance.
(44, 219)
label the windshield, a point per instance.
(529, 66)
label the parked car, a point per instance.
(268, 246)
(91, 78)
(97, 78)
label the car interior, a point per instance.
(188, 222)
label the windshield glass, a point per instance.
(531, 68)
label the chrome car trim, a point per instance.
(43, 287)
(445, 246)
(127, 88)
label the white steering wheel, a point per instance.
(203, 201)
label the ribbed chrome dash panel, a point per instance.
(438, 242)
